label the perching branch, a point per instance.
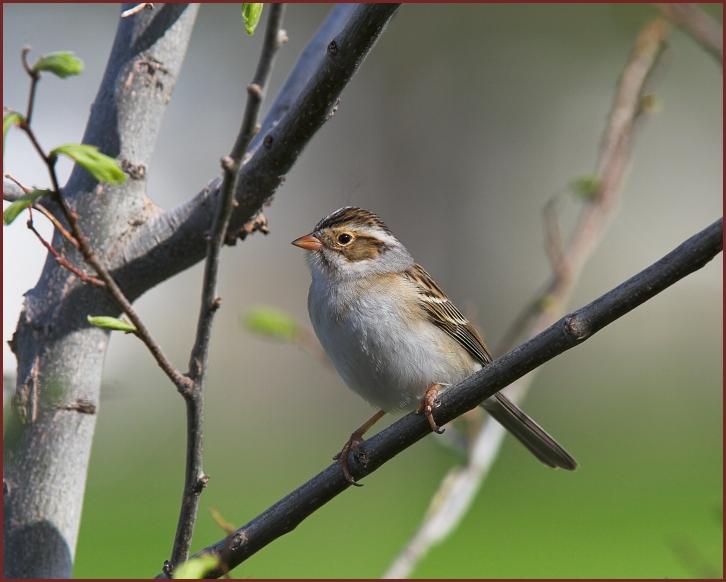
(704, 29)
(566, 333)
(460, 486)
(195, 480)
(141, 247)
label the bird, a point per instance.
(393, 335)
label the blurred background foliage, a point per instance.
(460, 126)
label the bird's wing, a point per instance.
(446, 316)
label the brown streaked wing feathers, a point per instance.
(446, 316)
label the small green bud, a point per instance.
(62, 64)
(113, 323)
(586, 187)
(251, 14)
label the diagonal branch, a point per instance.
(704, 29)
(565, 334)
(460, 486)
(175, 240)
(195, 480)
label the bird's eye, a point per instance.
(344, 238)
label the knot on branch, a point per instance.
(577, 328)
(134, 171)
(201, 483)
(237, 541)
(333, 48)
(254, 90)
(167, 568)
(80, 405)
(257, 224)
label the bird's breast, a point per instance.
(381, 343)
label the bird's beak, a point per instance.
(308, 242)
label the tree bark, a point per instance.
(60, 357)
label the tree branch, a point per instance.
(704, 29)
(195, 480)
(175, 240)
(141, 246)
(85, 247)
(460, 486)
(60, 357)
(568, 332)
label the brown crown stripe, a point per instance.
(351, 215)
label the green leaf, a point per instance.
(587, 187)
(100, 166)
(105, 322)
(251, 14)
(62, 64)
(12, 211)
(272, 323)
(196, 568)
(10, 119)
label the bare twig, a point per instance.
(56, 223)
(568, 332)
(195, 479)
(611, 168)
(460, 486)
(40, 208)
(136, 9)
(17, 182)
(12, 192)
(34, 78)
(86, 249)
(704, 29)
(60, 259)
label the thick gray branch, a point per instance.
(60, 357)
(568, 332)
(175, 240)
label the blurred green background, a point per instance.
(461, 124)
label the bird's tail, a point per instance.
(528, 432)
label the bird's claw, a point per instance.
(428, 403)
(352, 445)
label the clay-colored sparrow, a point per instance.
(391, 332)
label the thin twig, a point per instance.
(461, 485)
(60, 259)
(12, 192)
(17, 182)
(56, 223)
(570, 331)
(42, 209)
(34, 77)
(86, 249)
(195, 479)
(136, 9)
(611, 168)
(704, 29)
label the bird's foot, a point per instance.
(352, 445)
(428, 403)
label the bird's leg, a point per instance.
(355, 440)
(428, 402)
